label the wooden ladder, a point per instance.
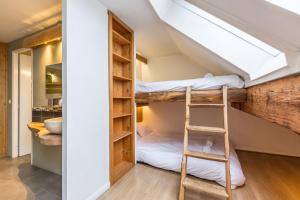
(197, 184)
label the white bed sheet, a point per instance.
(214, 82)
(165, 151)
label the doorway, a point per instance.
(21, 102)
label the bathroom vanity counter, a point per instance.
(45, 137)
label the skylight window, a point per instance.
(241, 50)
(229, 28)
(290, 5)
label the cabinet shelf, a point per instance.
(120, 39)
(122, 97)
(121, 168)
(120, 135)
(119, 115)
(120, 58)
(121, 78)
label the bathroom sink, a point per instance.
(54, 125)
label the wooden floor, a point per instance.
(268, 177)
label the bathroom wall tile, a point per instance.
(57, 114)
(47, 114)
(39, 115)
(36, 113)
(37, 119)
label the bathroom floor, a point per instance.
(19, 180)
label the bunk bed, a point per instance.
(270, 100)
(164, 150)
(205, 90)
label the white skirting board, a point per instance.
(99, 192)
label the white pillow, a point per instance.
(143, 130)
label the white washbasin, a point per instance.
(54, 125)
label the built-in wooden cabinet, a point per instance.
(121, 77)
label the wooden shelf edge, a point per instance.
(120, 58)
(122, 135)
(123, 97)
(122, 78)
(120, 38)
(120, 169)
(121, 115)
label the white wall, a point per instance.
(247, 132)
(172, 67)
(85, 100)
(256, 134)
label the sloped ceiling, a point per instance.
(21, 18)
(151, 36)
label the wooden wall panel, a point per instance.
(3, 99)
(277, 101)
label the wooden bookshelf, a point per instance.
(121, 77)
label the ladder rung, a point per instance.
(206, 105)
(206, 129)
(204, 187)
(206, 156)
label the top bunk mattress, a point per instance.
(205, 83)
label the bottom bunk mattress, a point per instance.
(165, 151)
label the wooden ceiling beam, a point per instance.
(141, 58)
(48, 35)
(276, 101)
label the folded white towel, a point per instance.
(209, 143)
(208, 75)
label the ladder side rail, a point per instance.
(226, 143)
(185, 143)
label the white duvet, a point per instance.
(208, 82)
(165, 151)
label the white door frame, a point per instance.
(14, 100)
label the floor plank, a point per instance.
(269, 177)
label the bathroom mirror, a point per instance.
(54, 79)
